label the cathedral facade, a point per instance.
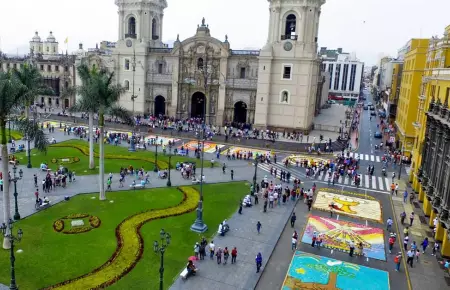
(201, 76)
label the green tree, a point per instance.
(11, 100)
(98, 90)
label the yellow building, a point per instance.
(435, 89)
(394, 94)
(413, 68)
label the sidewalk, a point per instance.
(428, 273)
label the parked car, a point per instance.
(372, 108)
(370, 104)
(331, 102)
(366, 107)
(372, 113)
(377, 135)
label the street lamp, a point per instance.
(9, 129)
(161, 248)
(254, 176)
(199, 226)
(15, 179)
(7, 233)
(156, 155)
(169, 183)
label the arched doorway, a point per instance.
(198, 105)
(160, 106)
(240, 112)
(66, 103)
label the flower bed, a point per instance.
(58, 225)
(85, 150)
(94, 221)
(130, 245)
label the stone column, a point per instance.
(301, 29)
(445, 249)
(439, 236)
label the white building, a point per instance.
(201, 76)
(386, 70)
(345, 75)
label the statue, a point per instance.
(203, 21)
(178, 37)
(132, 145)
(226, 37)
(285, 97)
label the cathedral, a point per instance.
(275, 87)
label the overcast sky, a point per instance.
(370, 28)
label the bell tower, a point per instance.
(288, 66)
(141, 20)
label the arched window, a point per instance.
(155, 35)
(200, 63)
(66, 84)
(132, 27)
(126, 85)
(291, 22)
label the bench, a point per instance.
(137, 186)
(43, 205)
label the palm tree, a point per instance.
(10, 101)
(86, 103)
(99, 91)
(33, 86)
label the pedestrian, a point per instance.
(424, 244)
(417, 255)
(319, 241)
(233, 255)
(35, 181)
(232, 174)
(389, 223)
(202, 252)
(435, 248)
(258, 261)
(223, 168)
(405, 231)
(256, 197)
(219, 255)
(397, 260)
(405, 196)
(240, 207)
(411, 219)
(403, 217)
(211, 250)
(396, 189)
(405, 243)
(314, 239)
(265, 205)
(108, 183)
(226, 254)
(351, 246)
(293, 219)
(196, 250)
(410, 257)
(309, 203)
(391, 243)
(294, 243)
(258, 227)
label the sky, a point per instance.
(369, 28)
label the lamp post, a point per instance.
(199, 226)
(15, 179)
(161, 248)
(156, 156)
(132, 147)
(7, 232)
(254, 176)
(169, 183)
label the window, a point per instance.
(42, 67)
(330, 70)
(284, 97)
(131, 27)
(66, 68)
(287, 72)
(155, 35)
(200, 63)
(336, 76)
(291, 22)
(242, 74)
(447, 94)
(66, 85)
(49, 68)
(54, 49)
(56, 67)
(344, 78)
(48, 49)
(160, 68)
(352, 77)
(15, 66)
(126, 85)
(127, 64)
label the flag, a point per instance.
(66, 40)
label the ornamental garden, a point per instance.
(85, 243)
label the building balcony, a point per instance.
(289, 36)
(131, 35)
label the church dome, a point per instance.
(51, 38)
(36, 37)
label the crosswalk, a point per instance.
(367, 181)
(366, 157)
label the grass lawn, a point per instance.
(50, 257)
(115, 158)
(16, 135)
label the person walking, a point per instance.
(403, 217)
(294, 243)
(258, 261)
(405, 196)
(196, 250)
(258, 227)
(397, 261)
(293, 219)
(389, 223)
(391, 243)
(219, 255)
(226, 254)
(202, 251)
(232, 174)
(410, 257)
(411, 219)
(424, 245)
(405, 243)
(223, 168)
(211, 250)
(233, 255)
(351, 245)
